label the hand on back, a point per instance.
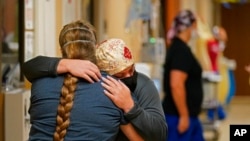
(119, 93)
(80, 68)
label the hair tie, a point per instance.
(81, 28)
(78, 41)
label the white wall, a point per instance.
(45, 31)
(71, 11)
(50, 16)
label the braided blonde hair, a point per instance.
(77, 41)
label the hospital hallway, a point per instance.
(237, 113)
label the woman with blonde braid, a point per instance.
(70, 108)
(68, 42)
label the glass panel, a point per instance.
(10, 66)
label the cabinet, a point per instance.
(16, 116)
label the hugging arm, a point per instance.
(130, 132)
(42, 66)
(120, 94)
(146, 114)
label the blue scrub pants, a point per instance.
(194, 132)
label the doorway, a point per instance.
(235, 19)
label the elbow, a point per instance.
(160, 133)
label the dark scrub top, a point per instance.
(180, 57)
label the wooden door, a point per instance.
(236, 21)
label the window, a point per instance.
(12, 20)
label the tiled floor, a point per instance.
(238, 112)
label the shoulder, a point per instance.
(145, 88)
(178, 43)
(144, 81)
(142, 77)
(180, 49)
(48, 82)
(104, 74)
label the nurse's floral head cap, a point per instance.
(113, 56)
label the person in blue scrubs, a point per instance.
(182, 83)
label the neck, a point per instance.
(184, 36)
